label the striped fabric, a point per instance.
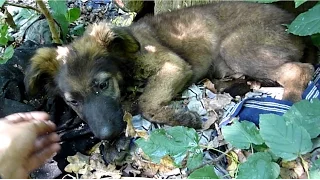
(250, 108)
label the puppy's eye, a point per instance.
(73, 102)
(104, 85)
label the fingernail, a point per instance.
(55, 137)
(50, 123)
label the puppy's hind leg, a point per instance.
(294, 77)
(258, 53)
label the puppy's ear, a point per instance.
(41, 71)
(115, 39)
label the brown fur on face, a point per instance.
(169, 52)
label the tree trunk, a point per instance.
(169, 5)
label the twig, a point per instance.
(23, 6)
(305, 166)
(214, 161)
(51, 22)
(222, 153)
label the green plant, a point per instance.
(65, 16)
(6, 48)
(278, 139)
(287, 137)
(60, 13)
(305, 24)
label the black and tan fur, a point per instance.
(169, 52)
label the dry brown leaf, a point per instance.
(288, 164)
(95, 149)
(142, 133)
(130, 131)
(150, 169)
(76, 163)
(212, 118)
(218, 102)
(96, 169)
(293, 170)
(232, 163)
(241, 155)
(209, 85)
(167, 162)
(288, 174)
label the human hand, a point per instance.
(27, 140)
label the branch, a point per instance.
(213, 161)
(23, 6)
(51, 22)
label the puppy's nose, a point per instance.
(106, 133)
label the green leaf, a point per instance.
(8, 53)
(3, 40)
(241, 135)
(2, 3)
(195, 160)
(58, 6)
(63, 22)
(315, 170)
(297, 3)
(286, 140)
(175, 141)
(4, 34)
(306, 114)
(73, 14)
(206, 172)
(306, 23)
(78, 31)
(258, 166)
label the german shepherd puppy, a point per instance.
(168, 52)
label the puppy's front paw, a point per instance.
(115, 152)
(188, 118)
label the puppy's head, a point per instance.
(86, 73)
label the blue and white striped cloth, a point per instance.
(250, 108)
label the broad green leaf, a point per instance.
(315, 170)
(73, 14)
(286, 140)
(306, 114)
(24, 16)
(8, 53)
(58, 6)
(2, 3)
(306, 23)
(195, 160)
(297, 3)
(4, 34)
(3, 40)
(258, 166)
(206, 172)
(63, 22)
(79, 30)
(175, 142)
(242, 134)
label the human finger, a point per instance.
(45, 141)
(40, 127)
(39, 158)
(34, 115)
